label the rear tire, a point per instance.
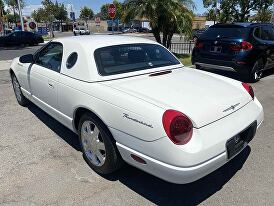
(98, 146)
(257, 71)
(21, 99)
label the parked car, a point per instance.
(246, 48)
(21, 37)
(81, 30)
(129, 30)
(144, 30)
(130, 99)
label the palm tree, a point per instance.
(166, 16)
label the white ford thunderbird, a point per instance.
(129, 99)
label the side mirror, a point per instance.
(28, 58)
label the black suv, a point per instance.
(246, 48)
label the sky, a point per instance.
(94, 4)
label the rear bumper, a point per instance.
(233, 65)
(180, 165)
(170, 173)
(175, 174)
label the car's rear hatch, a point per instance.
(217, 42)
(204, 98)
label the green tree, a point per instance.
(238, 10)
(39, 15)
(10, 17)
(166, 16)
(46, 14)
(86, 14)
(263, 15)
(14, 5)
(60, 14)
(2, 10)
(210, 15)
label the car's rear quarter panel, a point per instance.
(110, 106)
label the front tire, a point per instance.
(98, 146)
(21, 99)
(257, 71)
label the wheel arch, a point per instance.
(80, 111)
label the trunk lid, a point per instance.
(202, 96)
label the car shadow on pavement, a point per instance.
(67, 135)
(150, 187)
(163, 193)
(268, 73)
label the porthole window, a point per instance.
(72, 59)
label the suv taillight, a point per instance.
(243, 46)
(178, 127)
(249, 89)
(199, 45)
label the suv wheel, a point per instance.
(257, 71)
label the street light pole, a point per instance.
(20, 13)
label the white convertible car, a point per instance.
(130, 99)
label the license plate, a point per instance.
(235, 144)
(216, 49)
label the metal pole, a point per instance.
(20, 13)
(112, 26)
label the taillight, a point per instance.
(243, 46)
(246, 45)
(178, 127)
(249, 89)
(199, 45)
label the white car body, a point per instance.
(132, 104)
(80, 31)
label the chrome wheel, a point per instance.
(258, 70)
(17, 89)
(258, 74)
(92, 143)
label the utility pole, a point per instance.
(21, 17)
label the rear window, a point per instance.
(226, 32)
(132, 57)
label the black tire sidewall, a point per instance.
(113, 159)
(23, 102)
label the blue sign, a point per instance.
(115, 22)
(42, 30)
(72, 16)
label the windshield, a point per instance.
(226, 32)
(132, 57)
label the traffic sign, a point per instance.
(97, 20)
(112, 11)
(32, 25)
